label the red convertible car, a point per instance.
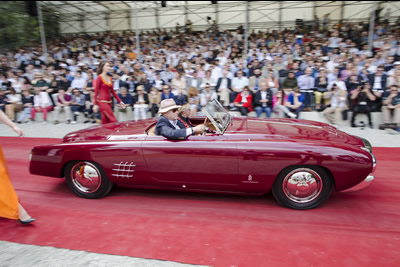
(300, 161)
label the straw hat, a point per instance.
(167, 105)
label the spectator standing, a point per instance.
(63, 105)
(378, 83)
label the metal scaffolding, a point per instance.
(100, 16)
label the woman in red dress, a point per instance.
(102, 94)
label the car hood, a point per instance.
(291, 129)
(112, 131)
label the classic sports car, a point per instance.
(301, 161)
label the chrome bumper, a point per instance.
(363, 185)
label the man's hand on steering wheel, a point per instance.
(199, 129)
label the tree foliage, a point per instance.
(18, 29)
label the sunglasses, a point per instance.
(174, 110)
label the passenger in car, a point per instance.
(183, 117)
(167, 125)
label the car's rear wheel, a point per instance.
(302, 188)
(87, 179)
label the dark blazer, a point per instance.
(145, 97)
(219, 84)
(180, 99)
(371, 78)
(166, 129)
(258, 97)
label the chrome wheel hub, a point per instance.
(86, 177)
(302, 185)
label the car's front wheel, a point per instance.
(302, 188)
(87, 179)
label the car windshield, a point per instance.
(218, 116)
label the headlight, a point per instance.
(367, 144)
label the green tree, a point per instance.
(18, 29)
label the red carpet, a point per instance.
(350, 229)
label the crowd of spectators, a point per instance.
(321, 68)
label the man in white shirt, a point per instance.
(79, 82)
(306, 84)
(238, 84)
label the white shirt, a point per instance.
(337, 100)
(334, 42)
(42, 100)
(263, 97)
(339, 84)
(240, 83)
(377, 83)
(189, 131)
(16, 98)
(305, 82)
(78, 83)
(224, 83)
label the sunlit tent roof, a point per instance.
(99, 16)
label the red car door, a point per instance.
(202, 162)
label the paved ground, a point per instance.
(12, 254)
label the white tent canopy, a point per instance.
(100, 16)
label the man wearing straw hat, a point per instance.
(167, 123)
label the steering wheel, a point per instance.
(206, 122)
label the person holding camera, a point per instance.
(391, 107)
(338, 103)
(362, 98)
